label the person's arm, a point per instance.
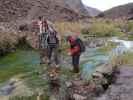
(57, 35)
(74, 50)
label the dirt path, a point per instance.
(123, 88)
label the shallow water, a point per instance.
(91, 59)
(26, 60)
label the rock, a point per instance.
(78, 82)
(92, 45)
(106, 68)
(6, 90)
(97, 75)
(99, 90)
(100, 43)
(52, 98)
(95, 42)
(13, 81)
(40, 95)
(68, 84)
(79, 97)
(44, 77)
(122, 89)
(102, 80)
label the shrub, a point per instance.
(123, 59)
(7, 41)
(103, 29)
(130, 26)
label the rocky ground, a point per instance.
(122, 89)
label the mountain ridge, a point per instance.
(52, 10)
(119, 12)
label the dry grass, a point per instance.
(66, 27)
(124, 59)
(97, 27)
(8, 39)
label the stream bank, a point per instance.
(36, 76)
(26, 62)
(122, 89)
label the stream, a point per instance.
(26, 60)
(23, 61)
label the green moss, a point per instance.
(66, 72)
(34, 80)
(21, 61)
(10, 72)
(23, 98)
(34, 97)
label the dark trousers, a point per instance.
(53, 50)
(43, 55)
(75, 62)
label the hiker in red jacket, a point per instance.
(75, 51)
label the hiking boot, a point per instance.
(49, 63)
(76, 69)
(44, 61)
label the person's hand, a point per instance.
(69, 54)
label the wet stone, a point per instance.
(44, 77)
(79, 97)
(68, 84)
(6, 90)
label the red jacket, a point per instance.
(75, 48)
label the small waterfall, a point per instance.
(123, 46)
(124, 43)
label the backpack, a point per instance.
(81, 44)
(52, 38)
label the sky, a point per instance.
(105, 4)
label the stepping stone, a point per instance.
(6, 90)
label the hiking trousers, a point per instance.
(43, 55)
(75, 62)
(53, 51)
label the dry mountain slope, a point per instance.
(120, 12)
(79, 7)
(93, 11)
(11, 10)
